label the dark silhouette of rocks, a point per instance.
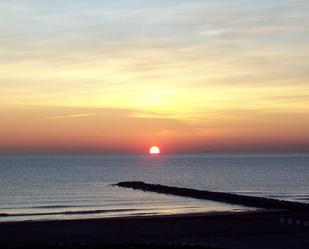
(249, 201)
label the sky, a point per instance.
(119, 76)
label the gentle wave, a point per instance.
(303, 199)
(68, 212)
(57, 206)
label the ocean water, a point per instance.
(40, 187)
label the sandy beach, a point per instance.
(258, 230)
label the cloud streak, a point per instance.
(81, 115)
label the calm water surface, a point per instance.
(71, 186)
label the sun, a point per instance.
(154, 150)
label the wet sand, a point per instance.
(226, 230)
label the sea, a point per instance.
(51, 187)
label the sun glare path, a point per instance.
(154, 150)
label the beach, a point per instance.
(219, 230)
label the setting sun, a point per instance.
(154, 150)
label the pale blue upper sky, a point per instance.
(65, 21)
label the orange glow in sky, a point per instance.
(113, 76)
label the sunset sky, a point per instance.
(121, 75)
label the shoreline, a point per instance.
(272, 224)
(152, 216)
(103, 214)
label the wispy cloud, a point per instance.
(81, 115)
